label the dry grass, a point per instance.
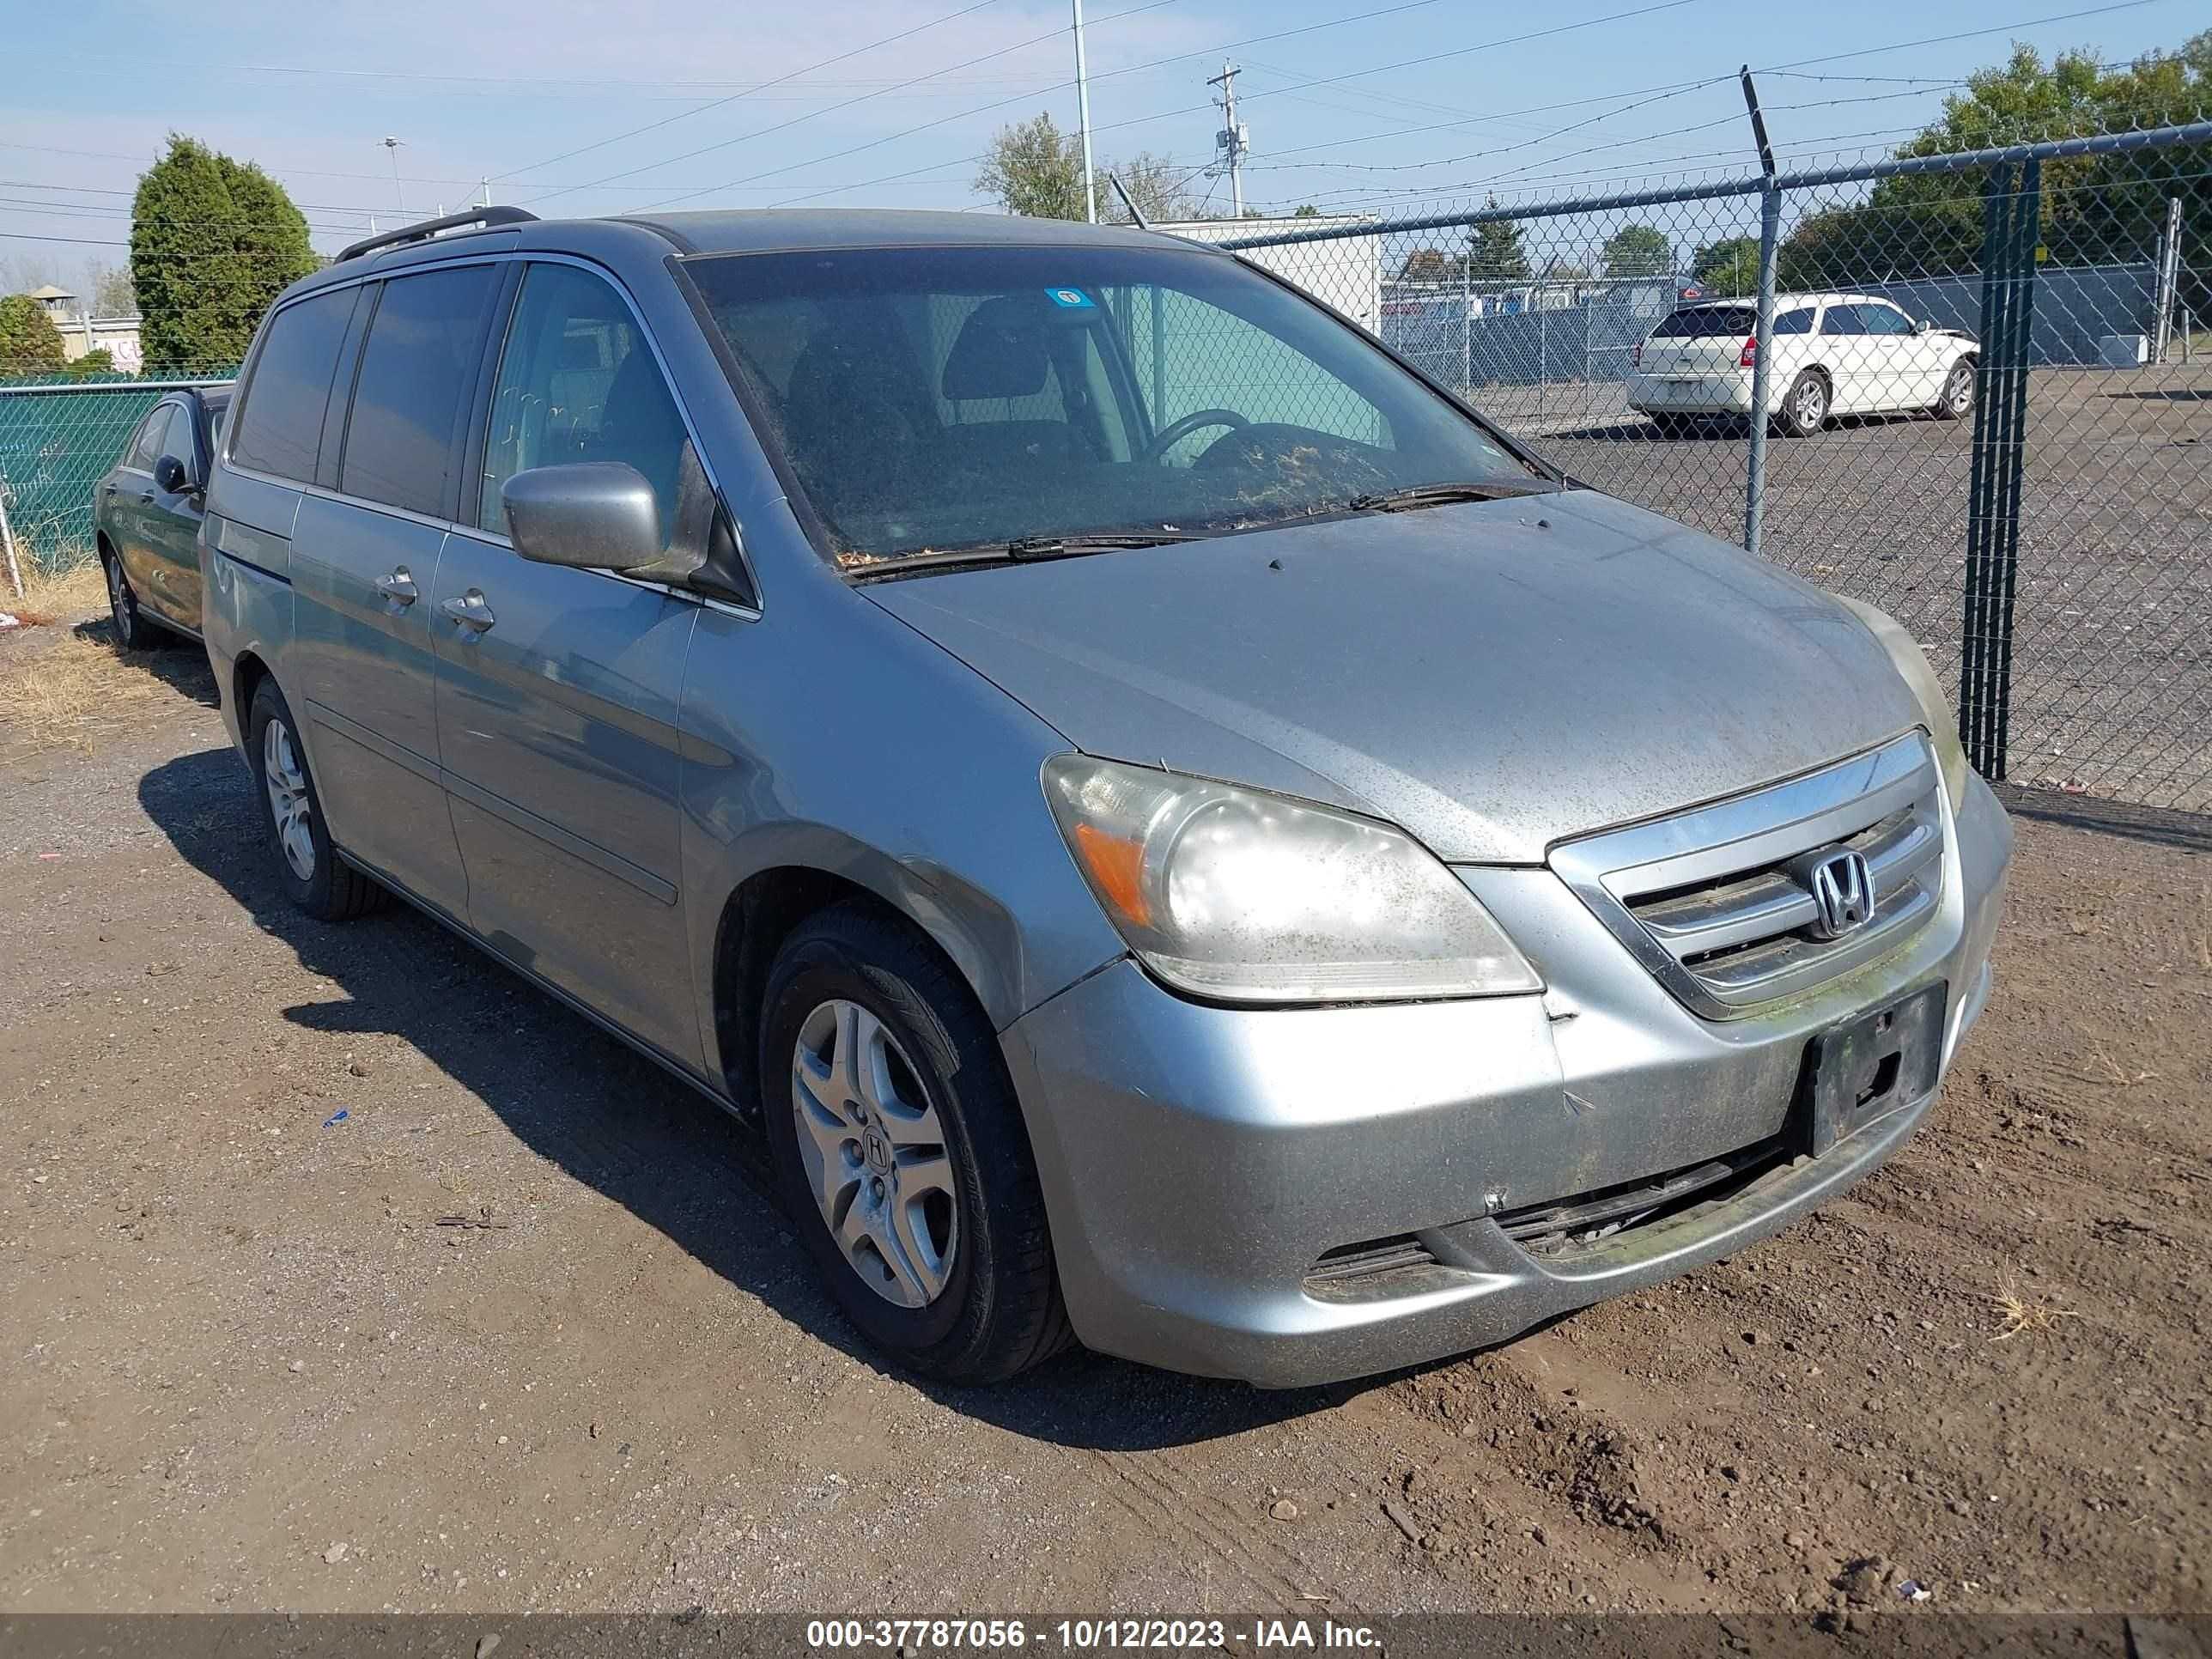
(2018, 1314)
(61, 597)
(69, 693)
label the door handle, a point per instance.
(398, 587)
(145, 495)
(470, 610)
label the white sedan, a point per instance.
(1834, 353)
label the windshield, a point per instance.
(932, 400)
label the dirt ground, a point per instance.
(344, 1272)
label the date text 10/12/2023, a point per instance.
(1087, 1635)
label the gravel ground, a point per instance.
(2113, 647)
(519, 1331)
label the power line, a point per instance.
(720, 103)
(1383, 69)
(760, 132)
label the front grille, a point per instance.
(1562, 1228)
(1556, 1232)
(1717, 902)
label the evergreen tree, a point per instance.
(29, 341)
(1494, 251)
(213, 241)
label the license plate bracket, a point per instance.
(1869, 1068)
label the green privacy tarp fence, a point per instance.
(57, 438)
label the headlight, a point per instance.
(1248, 897)
(1912, 663)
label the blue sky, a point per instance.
(1432, 101)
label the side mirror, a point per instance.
(169, 472)
(592, 515)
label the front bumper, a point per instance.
(1197, 1160)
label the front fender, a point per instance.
(899, 769)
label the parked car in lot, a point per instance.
(146, 514)
(1834, 353)
(1182, 834)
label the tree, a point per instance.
(1494, 252)
(112, 293)
(2096, 210)
(1307, 210)
(1034, 169)
(29, 341)
(1728, 268)
(96, 363)
(1427, 264)
(1637, 250)
(1155, 183)
(213, 241)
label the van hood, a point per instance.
(1493, 676)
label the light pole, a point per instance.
(391, 148)
(1082, 121)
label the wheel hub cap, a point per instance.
(874, 1154)
(288, 806)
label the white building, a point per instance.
(1345, 271)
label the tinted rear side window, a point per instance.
(280, 424)
(1799, 322)
(416, 371)
(1707, 323)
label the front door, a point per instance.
(559, 689)
(169, 526)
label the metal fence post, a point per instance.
(1755, 488)
(2011, 228)
(1769, 235)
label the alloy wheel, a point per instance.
(1812, 403)
(1958, 390)
(875, 1154)
(122, 604)
(287, 784)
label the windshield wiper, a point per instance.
(1443, 495)
(1027, 549)
(1059, 547)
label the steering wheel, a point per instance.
(1197, 420)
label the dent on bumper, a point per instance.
(1197, 1160)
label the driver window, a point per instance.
(1188, 354)
(577, 382)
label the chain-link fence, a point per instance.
(57, 436)
(1988, 377)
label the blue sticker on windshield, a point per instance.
(1074, 298)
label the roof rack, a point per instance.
(483, 217)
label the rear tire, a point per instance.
(1805, 406)
(308, 867)
(900, 1152)
(1956, 401)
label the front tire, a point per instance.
(133, 632)
(1805, 405)
(901, 1154)
(1956, 401)
(313, 876)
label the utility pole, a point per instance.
(486, 187)
(391, 148)
(1083, 118)
(1232, 140)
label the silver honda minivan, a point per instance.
(1183, 837)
